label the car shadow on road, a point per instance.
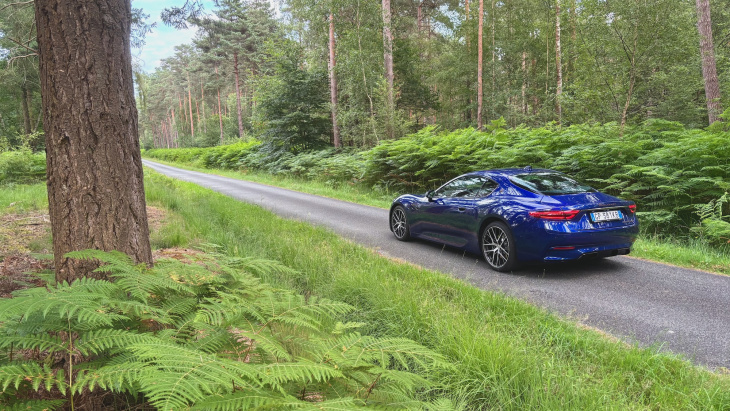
(576, 269)
(585, 268)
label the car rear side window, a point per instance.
(550, 184)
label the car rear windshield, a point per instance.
(550, 184)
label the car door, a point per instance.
(453, 211)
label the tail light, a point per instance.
(555, 214)
(632, 208)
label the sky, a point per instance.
(161, 42)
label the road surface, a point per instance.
(680, 310)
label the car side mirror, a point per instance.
(429, 195)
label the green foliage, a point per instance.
(205, 334)
(293, 109)
(666, 168)
(22, 166)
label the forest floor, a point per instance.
(26, 247)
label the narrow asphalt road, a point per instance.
(684, 311)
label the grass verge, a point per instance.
(21, 198)
(507, 354)
(687, 253)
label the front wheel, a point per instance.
(498, 247)
(399, 224)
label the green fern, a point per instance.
(207, 335)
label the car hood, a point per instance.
(583, 201)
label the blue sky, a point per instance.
(161, 42)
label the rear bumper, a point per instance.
(586, 252)
(541, 244)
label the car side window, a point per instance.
(464, 187)
(487, 188)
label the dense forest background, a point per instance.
(252, 71)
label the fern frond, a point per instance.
(296, 310)
(265, 341)
(96, 342)
(113, 258)
(302, 371)
(34, 405)
(121, 374)
(142, 285)
(13, 375)
(175, 376)
(42, 342)
(243, 400)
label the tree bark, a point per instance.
(709, 69)
(388, 55)
(220, 114)
(333, 85)
(558, 65)
(190, 107)
(95, 186)
(480, 59)
(238, 95)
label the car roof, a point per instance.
(506, 172)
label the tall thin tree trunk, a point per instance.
(333, 85)
(25, 96)
(388, 57)
(558, 65)
(632, 81)
(202, 106)
(480, 59)
(238, 95)
(494, 59)
(709, 69)
(94, 167)
(190, 107)
(524, 82)
(220, 114)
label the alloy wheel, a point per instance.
(495, 246)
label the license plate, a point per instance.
(612, 215)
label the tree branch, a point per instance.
(20, 3)
(21, 57)
(21, 44)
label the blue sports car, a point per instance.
(514, 215)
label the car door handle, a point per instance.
(462, 209)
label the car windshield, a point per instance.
(550, 184)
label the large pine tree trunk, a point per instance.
(480, 59)
(333, 85)
(709, 70)
(95, 187)
(238, 95)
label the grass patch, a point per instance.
(21, 198)
(507, 353)
(688, 253)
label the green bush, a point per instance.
(22, 166)
(202, 335)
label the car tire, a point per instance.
(498, 247)
(399, 224)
